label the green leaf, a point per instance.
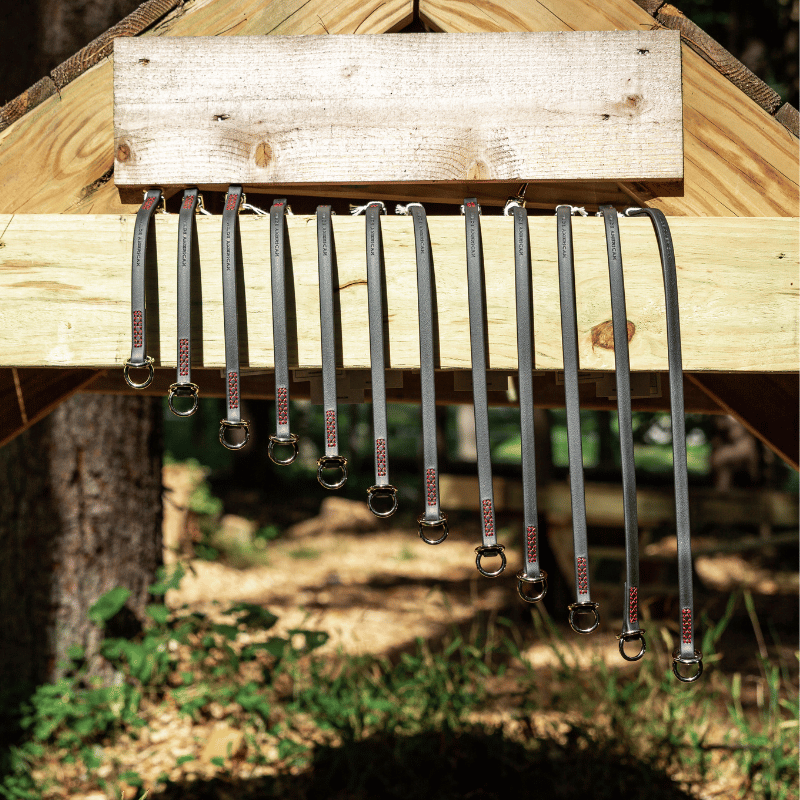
(158, 613)
(131, 777)
(109, 604)
(254, 616)
(228, 631)
(218, 761)
(184, 760)
(275, 646)
(166, 581)
(76, 652)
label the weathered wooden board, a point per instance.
(398, 108)
(738, 159)
(64, 284)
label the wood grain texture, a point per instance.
(737, 283)
(789, 116)
(410, 107)
(738, 160)
(66, 144)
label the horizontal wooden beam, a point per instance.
(406, 108)
(65, 292)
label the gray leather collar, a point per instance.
(139, 357)
(531, 580)
(477, 337)
(283, 437)
(382, 490)
(183, 386)
(233, 419)
(327, 318)
(619, 318)
(584, 606)
(686, 654)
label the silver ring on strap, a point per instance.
(282, 441)
(233, 417)
(577, 609)
(569, 338)
(328, 275)
(139, 357)
(619, 319)
(477, 338)
(433, 518)
(531, 573)
(183, 386)
(687, 654)
(283, 435)
(377, 357)
(678, 659)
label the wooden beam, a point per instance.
(738, 160)
(341, 109)
(65, 289)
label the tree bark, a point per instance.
(80, 513)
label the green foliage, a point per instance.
(109, 604)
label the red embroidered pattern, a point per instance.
(232, 200)
(330, 428)
(187, 203)
(137, 329)
(380, 457)
(686, 625)
(583, 576)
(488, 518)
(633, 605)
(233, 390)
(531, 540)
(430, 486)
(183, 357)
(283, 405)
(148, 204)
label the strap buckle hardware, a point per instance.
(382, 491)
(224, 425)
(183, 390)
(290, 441)
(697, 658)
(584, 608)
(541, 581)
(631, 636)
(332, 462)
(148, 363)
(440, 523)
(490, 551)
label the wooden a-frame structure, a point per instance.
(57, 156)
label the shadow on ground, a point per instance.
(438, 765)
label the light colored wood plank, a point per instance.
(409, 107)
(59, 157)
(738, 159)
(64, 284)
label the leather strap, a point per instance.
(183, 386)
(686, 654)
(139, 357)
(233, 418)
(283, 435)
(531, 577)
(569, 337)
(619, 319)
(382, 488)
(327, 318)
(477, 337)
(433, 520)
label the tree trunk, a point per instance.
(80, 513)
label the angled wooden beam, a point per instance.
(64, 304)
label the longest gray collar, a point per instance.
(686, 654)
(569, 337)
(531, 577)
(619, 318)
(139, 357)
(477, 337)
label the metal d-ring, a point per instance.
(441, 523)
(631, 636)
(183, 390)
(224, 425)
(523, 579)
(148, 363)
(584, 608)
(332, 462)
(290, 440)
(677, 658)
(490, 551)
(382, 491)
